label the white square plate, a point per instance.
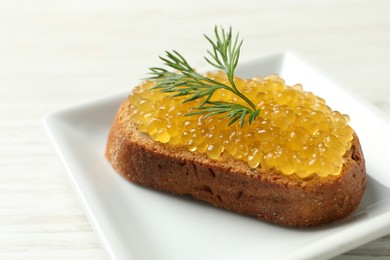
(138, 223)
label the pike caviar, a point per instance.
(295, 132)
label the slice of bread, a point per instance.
(229, 183)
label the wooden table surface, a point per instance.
(56, 53)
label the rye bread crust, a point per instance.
(231, 184)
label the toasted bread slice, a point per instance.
(229, 183)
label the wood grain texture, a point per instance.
(55, 53)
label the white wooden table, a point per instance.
(56, 53)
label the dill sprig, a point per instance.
(185, 81)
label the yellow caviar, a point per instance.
(295, 132)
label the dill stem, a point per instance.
(242, 96)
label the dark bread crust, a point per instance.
(231, 184)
